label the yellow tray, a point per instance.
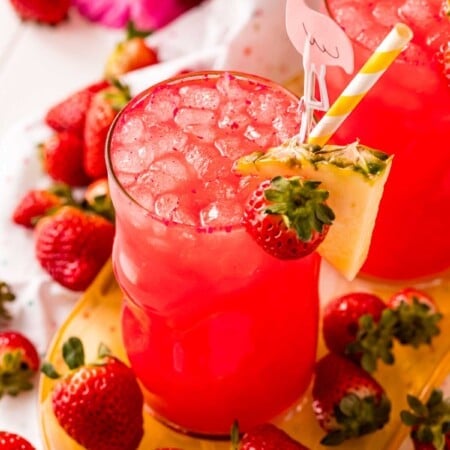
(95, 319)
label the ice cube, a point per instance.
(164, 101)
(229, 87)
(204, 132)
(201, 98)
(172, 166)
(192, 116)
(165, 139)
(206, 161)
(221, 214)
(263, 107)
(386, 13)
(234, 117)
(165, 205)
(230, 147)
(131, 131)
(142, 194)
(125, 160)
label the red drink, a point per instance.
(407, 113)
(215, 328)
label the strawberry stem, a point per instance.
(235, 436)
(416, 323)
(357, 416)
(73, 353)
(6, 295)
(430, 421)
(14, 374)
(374, 341)
(300, 203)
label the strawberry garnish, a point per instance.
(103, 109)
(49, 12)
(429, 421)
(99, 405)
(19, 361)
(347, 401)
(6, 295)
(72, 246)
(268, 437)
(12, 441)
(130, 54)
(417, 317)
(70, 113)
(360, 326)
(36, 203)
(62, 158)
(288, 217)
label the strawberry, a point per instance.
(6, 295)
(99, 405)
(62, 158)
(103, 109)
(288, 217)
(98, 199)
(72, 246)
(19, 361)
(49, 12)
(417, 317)
(429, 421)
(70, 113)
(130, 54)
(360, 326)
(38, 202)
(12, 441)
(268, 437)
(347, 401)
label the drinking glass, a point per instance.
(407, 114)
(216, 329)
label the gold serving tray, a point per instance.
(95, 319)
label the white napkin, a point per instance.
(244, 35)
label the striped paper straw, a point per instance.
(392, 45)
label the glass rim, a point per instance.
(169, 81)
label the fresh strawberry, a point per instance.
(417, 317)
(38, 202)
(360, 326)
(268, 437)
(70, 113)
(72, 246)
(347, 401)
(288, 217)
(103, 109)
(6, 295)
(429, 421)
(62, 158)
(98, 199)
(100, 405)
(19, 361)
(49, 12)
(130, 54)
(12, 441)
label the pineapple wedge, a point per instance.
(354, 175)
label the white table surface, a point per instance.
(40, 65)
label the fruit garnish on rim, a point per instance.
(288, 217)
(354, 175)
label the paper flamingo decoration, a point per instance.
(322, 43)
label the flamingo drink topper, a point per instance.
(322, 43)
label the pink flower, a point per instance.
(146, 14)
